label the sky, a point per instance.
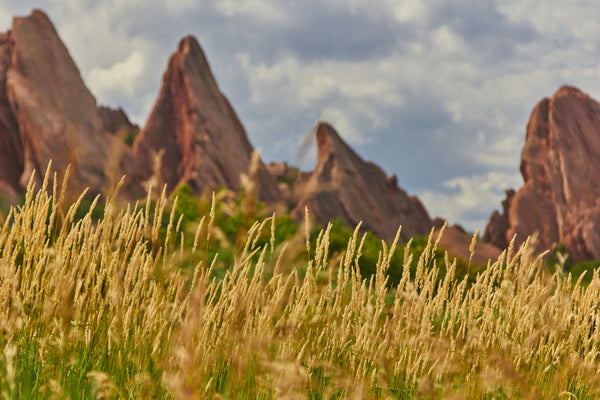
(438, 92)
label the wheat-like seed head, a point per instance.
(110, 293)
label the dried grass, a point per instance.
(100, 309)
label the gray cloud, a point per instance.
(488, 32)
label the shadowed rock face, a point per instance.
(344, 185)
(56, 115)
(115, 120)
(495, 231)
(11, 151)
(560, 164)
(204, 143)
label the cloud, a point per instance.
(438, 92)
(5, 18)
(491, 36)
(408, 11)
(121, 77)
(343, 124)
(553, 19)
(261, 10)
(466, 199)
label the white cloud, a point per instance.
(408, 10)
(180, 5)
(350, 95)
(342, 123)
(261, 10)
(447, 41)
(5, 20)
(123, 76)
(470, 199)
(578, 19)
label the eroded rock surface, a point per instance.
(115, 121)
(56, 115)
(345, 186)
(495, 231)
(205, 145)
(560, 164)
(457, 243)
(11, 150)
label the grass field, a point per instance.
(132, 304)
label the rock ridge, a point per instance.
(344, 185)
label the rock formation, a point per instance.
(457, 243)
(54, 115)
(204, 143)
(560, 164)
(344, 185)
(495, 231)
(11, 150)
(115, 121)
(46, 112)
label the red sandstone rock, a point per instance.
(457, 243)
(115, 120)
(495, 231)
(11, 152)
(204, 143)
(344, 185)
(560, 164)
(56, 114)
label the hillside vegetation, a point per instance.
(190, 298)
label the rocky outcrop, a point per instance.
(115, 120)
(56, 115)
(344, 185)
(560, 164)
(204, 143)
(11, 150)
(495, 231)
(457, 243)
(47, 113)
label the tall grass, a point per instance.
(102, 309)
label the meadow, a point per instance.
(147, 301)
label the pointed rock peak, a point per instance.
(325, 130)
(330, 145)
(43, 62)
(37, 21)
(57, 116)
(345, 186)
(327, 136)
(190, 45)
(203, 142)
(190, 58)
(37, 15)
(328, 139)
(567, 90)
